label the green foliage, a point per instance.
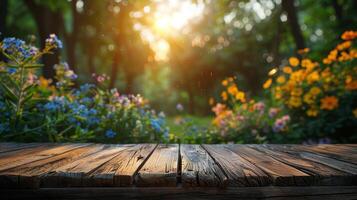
(34, 110)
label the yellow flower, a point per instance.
(287, 70)
(309, 98)
(315, 90)
(267, 83)
(295, 102)
(296, 92)
(294, 61)
(240, 96)
(281, 79)
(232, 89)
(297, 76)
(329, 103)
(314, 76)
(355, 112)
(224, 82)
(312, 112)
(44, 82)
(224, 96)
(211, 101)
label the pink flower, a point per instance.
(219, 108)
(260, 106)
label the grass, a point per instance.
(178, 130)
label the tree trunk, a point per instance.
(289, 7)
(115, 67)
(72, 37)
(191, 101)
(338, 11)
(277, 40)
(47, 22)
(3, 15)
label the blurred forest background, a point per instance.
(178, 51)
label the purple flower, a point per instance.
(179, 107)
(54, 41)
(281, 123)
(273, 112)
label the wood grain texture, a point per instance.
(199, 169)
(120, 170)
(73, 173)
(239, 171)
(16, 158)
(281, 173)
(10, 146)
(331, 162)
(28, 175)
(337, 152)
(322, 174)
(161, 168)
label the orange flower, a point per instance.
(224, 96)
(294, 61)
(351, 85)
(355, 112)
(349, 35)
(344, 45)
(281, 79)
(224, 82)
(329, 103)
(267, 83)
(287, 70)
(303, 51)
(232, 89)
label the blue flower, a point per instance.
(156, 124)
(51, 106)
(110, 133)
(12, 44)
(11, 70)
(54, 41)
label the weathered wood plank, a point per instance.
(199, 169)
(337, 164)
(120, 170)
(239, 171)
(25, 156)
(282, 174)
(10, 146)
(28, 175)
(161, 168)
(71, 175)
(157, 193)
(336, 152)
(322, 174)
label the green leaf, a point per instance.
(9, 92)
(33, 66)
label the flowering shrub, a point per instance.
(35, 109)
(306, 101)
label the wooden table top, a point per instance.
(54, 165)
